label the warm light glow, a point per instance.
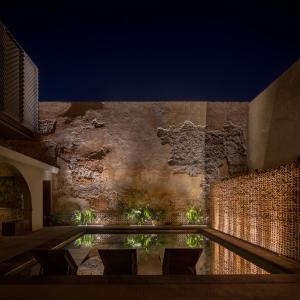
(262, 208)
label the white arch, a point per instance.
(34, 172)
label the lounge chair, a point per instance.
(180, 261)
(55, 262)
(119, 261)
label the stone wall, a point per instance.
(167, 153)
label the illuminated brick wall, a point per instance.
(261, 208)
(224, 261)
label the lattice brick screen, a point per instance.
(262, 208)
(224, 261)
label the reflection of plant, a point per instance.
(194, 215)
(194, 240)
(85, 241)
(84, 217)
(143, 241)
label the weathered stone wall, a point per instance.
(165, 152)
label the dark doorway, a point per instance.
(46, 201)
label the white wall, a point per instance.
(34, 172)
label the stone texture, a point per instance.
(97, 124)
(187, 147)
(47, 126)
(216, 154)
(164, 150)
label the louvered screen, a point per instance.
(30, 96)
(11, 78)
(1, 66)
(18, 82)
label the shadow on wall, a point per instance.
(80, 108)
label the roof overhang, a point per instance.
(24, 159)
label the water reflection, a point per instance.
(214, 259)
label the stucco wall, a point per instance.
(34, 177)
(274, 122)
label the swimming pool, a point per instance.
(215, 259)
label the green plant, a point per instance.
(159, 214)
(139, 214)
(194, 240)
(84, 217)
(85, 241)
(142, 241)
(56, 219)
(194, 215)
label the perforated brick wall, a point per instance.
(261, 208)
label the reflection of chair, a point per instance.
(119, 261)
(181, 261)
(55, 262)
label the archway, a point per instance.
(15, 197)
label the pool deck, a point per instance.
(16, 250)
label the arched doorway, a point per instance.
(15, 197)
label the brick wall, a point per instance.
(261, 208)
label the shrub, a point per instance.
(55, 219)
(194, 215)
(84, 217)
(140, 215)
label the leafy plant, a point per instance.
(85, 241)
(159, 214)
(194, 240)
(194, 215)
(84, 217)
(139, 215)
(143, 241)
(56, 219)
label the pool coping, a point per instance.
(259, 256)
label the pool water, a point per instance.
(215, 259)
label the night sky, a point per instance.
(155, 50)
